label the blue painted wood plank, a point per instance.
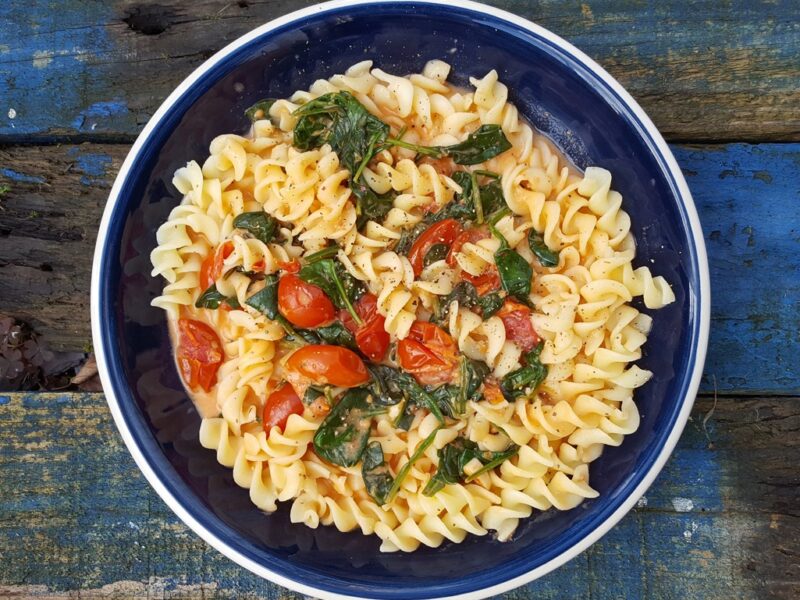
(101, 68)
(76, 516)
(748, 198)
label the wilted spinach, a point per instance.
(547, 257)
(435, 253)
(482, 144)
(391, 385)
(527, 378)
(212, 298)
(456, 455)
(261, 225)
(466, 295)
(514, 271)
(377, 478)
(342, 436)
(403, 472)
(260, 110)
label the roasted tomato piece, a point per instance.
(371, 337)
(280, 405)
(303, 304)
(333, 365)
(199, 354)
(519, 329)
(429, 353)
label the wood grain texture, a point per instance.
(76, 517)
(748, 198)
(98, 69)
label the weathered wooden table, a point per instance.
(79, 78)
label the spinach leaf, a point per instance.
(266, 301)
(466, 295)
(369, 205)
(258, 223)
(525, 380)
(497, 459)
(384, 386)
(446, 397)
(458, 454)
(435, 253)
(474, 202)
(328, 252)
(472, 373)
(337, 283)
(408, 237)
(377, 478)
(486, 142)
(452, 460)
(212, 298)
(401, 474)
(335, 334)
(312, 393)
(547, 257)
(394, 385)
(343, 122)
(406, 417)
(490, 304)
(260, 110)
(492, 198)
(343, 435)
(514, 271)
(482, 144)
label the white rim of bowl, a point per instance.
(685, 197)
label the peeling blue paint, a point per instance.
(21, 177)
(97, 113)
(93, 164)
(5, 399)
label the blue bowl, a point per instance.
(560, 90)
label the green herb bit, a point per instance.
(342, 437)
(526, 379)
(436, 253)
(212, 298)
(377, 478)
(328, 252)
(498, 459)
(260, 110)
(401, 474)
(261, 225)
(547, 257)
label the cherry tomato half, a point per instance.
(199, 354)
(333, 365)
(429, 353)
(280, 405)
(303, 304)
(517, 320)
(371, 336)
(443, 232)
(212, 266)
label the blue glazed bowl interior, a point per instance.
(562, 98)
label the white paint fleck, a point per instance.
(94, 126)
(42, 58)
(133, 525)
(682, 504)
(687, 535)
(642, 502)
(12, 114)
(5, 49)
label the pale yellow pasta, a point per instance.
(591, 337)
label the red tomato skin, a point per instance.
(280, 405)
(428, 353)
(303, 304)
(468, 235)
(371, 337)
(325, 364)
(486, 282)
(199, 354)
(443, 232)
(516, 318)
